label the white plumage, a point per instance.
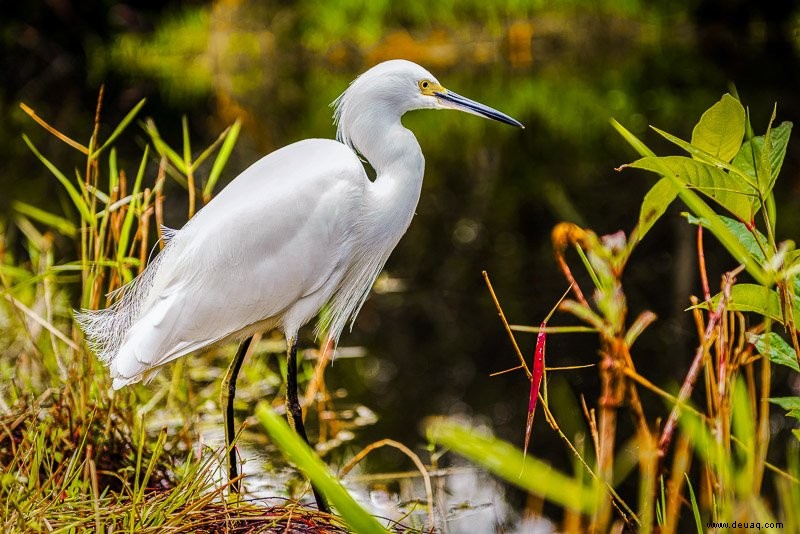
(302, 227)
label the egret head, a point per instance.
(389, 89)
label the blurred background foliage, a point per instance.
(491, 194)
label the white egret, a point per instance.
(301, 228)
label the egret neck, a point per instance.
(394, 153)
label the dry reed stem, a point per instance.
(317, 382)
(506, 325)
(57, 134)
(408, 452)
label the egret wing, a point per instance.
(279, 233)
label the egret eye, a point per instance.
(424, 85)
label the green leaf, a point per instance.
(222, 158)
(187, 146)
(752, 298)
(750, 238)
(749, 156)
(632, 140)
(721, 129)
(701, 209)
(299, 453)
(763, 167)
(695, 508)
(164, 149)
(508, 462)
(787, 403)
(52, 220)
(775, 348)
(711, 451)
(780, 140)
(744, 430)
(655, 203)
(730, 191)
(127, 223)
(73, 193)
(120, 128)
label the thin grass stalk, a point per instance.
(617, 501)
(694, 369)
(763, 430)
(159, 202)
(607, 429)
(648, 469)
(681, 461)
(187, 161)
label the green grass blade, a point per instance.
(508, 462)
(210, 149)
(187, 146)
(632, 140)
(125, 237)
(222, 159)
(73, 193)
(61, 224)
(296, 450)
(119, 129)
(164, 149)
(698, 523)
(113, 171)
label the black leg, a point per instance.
(295, 413)
(228, 394)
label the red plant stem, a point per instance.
(697, 365)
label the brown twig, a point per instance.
(701, 260)
(506, 325)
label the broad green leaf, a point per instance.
(508, 462)
(763, 167)
(730, 191)
(655, 203)
(701, 209)
(749, 238)
(296, 450)
(721, 129)
(750, 153)
(780, 140)
(752, 298)
(775, 348)
(793, 261)
(787, 403)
